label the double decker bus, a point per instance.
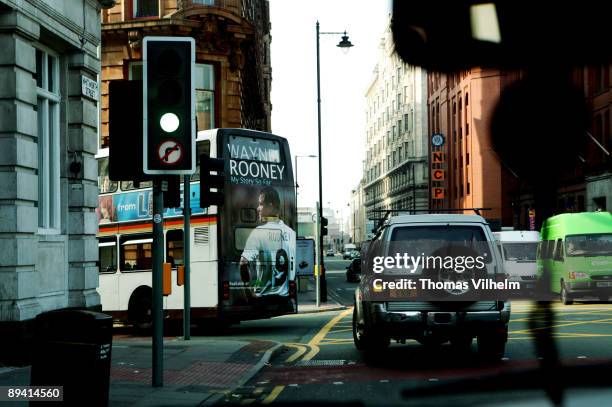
(242, 253)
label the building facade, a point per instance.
(461, 107)
(395, 167)
(49, 67)
(233, 73)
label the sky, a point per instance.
(344, 79)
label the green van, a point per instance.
(576, 248)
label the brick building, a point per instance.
(233, 74)
(461, 107)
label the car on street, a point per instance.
(433, 323)
(330, 253)
(353, 271)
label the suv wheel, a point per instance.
(364, 339)
(566, 298)
(491, 347)
(462, 343)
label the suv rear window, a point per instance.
(428, 239)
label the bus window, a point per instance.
(105, 185)
(135, 253)
(203, 147)
(129, 185)
(174, 247)
(108, 255)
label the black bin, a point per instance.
(73, 350)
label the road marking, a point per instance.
(335, 331)
(527, 331)
(276, 391)
(301, 349)
(314, 342)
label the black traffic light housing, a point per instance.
(209, 181)
(324, 223)
(168, 105)
(125, 131)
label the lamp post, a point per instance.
(345, 44)
(296, 175)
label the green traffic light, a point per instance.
(169, 122)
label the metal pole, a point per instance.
(296, 185)
(320, 214)
(187, 256)
(318, 257)
(413, 191)
(158, 260)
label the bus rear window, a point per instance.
(254, 149)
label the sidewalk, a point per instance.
(307, 301)
(198, 372)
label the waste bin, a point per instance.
(73, 350)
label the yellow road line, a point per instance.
(339, 340)
(335, 331)
(314, 342)
(526, 331)
(557, 316)
(301, 349)
(276, 391)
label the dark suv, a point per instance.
(375, 323)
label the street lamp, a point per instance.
(296, 175)
(344, 44)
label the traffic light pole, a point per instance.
(187, 257)
(158, 260)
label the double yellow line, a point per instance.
(306, 351)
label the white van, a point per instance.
(518, 249)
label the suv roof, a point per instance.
(436, 218)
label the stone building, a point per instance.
(49, 68)
(233, 74)
(395, 172)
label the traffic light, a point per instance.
(323, 226)
(208, 181)
(168, 105)
(125, 133)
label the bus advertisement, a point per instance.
(242, 253)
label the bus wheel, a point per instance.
(140, 309)
(566, 299)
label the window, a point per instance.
(205, 96)
(399, 127)
(105, 185)
(136, 252)
(145, 8)
(107, 249)
(174, 247)
(48, 110)
(406, 122)
(399, 101)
